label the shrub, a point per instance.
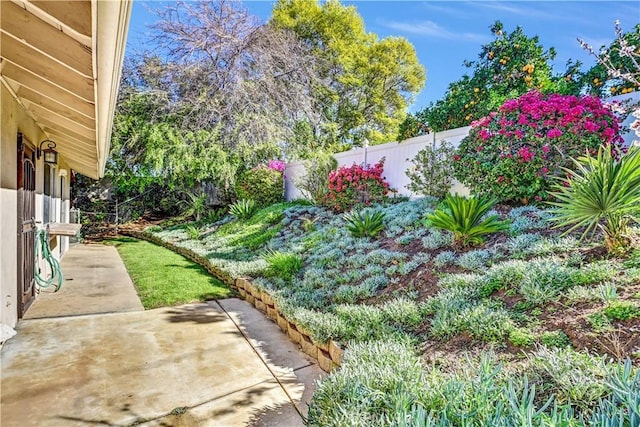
(474, 260)
(243, 209)
(356, 186)
(465, 218)
(262, 184)
(314, 184)
(621, 310)
(602, 193)
(153, 229)
(444, 259)
(513, 153)
(437, 239)
(568, 376)
(365, 224)
(599, 322)
(283, 265)
(521, 337)
(432, 171)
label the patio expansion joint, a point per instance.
(273, 374)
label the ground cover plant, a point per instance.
(164, 278)
(526, 328)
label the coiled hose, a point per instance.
(42, 251)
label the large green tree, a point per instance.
(508, 66)
(366, 82)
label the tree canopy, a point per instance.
(510, 65)
(367, 82)
(618, 65)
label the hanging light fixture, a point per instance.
(49, 153)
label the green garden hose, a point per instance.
(42, 249)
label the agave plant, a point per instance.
(365, 224)
(602, 193)
(195, 205)
(465, 218)
(243, 209)
(193, 232)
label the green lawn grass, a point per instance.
(164, 278)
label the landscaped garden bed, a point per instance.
(525, 304)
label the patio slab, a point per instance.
(126, 368)
(95, 281)
(205, 364)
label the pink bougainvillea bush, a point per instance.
(356, 186)
(513, 153)
(276, 165)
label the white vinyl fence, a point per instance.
(398, 156)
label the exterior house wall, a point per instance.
(14, 119)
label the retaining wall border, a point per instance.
(328, 355)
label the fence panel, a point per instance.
(398, 156)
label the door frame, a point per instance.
(26, 227)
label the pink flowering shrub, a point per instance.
(513, 153)
(276, 165)
(356, 186)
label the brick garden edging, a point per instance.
(329, 355)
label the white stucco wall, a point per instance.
(14, 119)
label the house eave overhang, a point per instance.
(62, 61)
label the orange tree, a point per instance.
(509, 66)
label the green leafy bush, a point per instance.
(465, 218)
(621, 310)
(243, 208)
(514, 153)
(432, 170)
(521, 337)
(602, 193)
(283, 265)
(262, 184)
(555, 339)
(365, 224)
(599, 322)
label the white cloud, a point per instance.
(432, 29)
(513, 9)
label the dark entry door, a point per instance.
(26, 226)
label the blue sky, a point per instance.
(445, 33)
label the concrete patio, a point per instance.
(89, 359)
